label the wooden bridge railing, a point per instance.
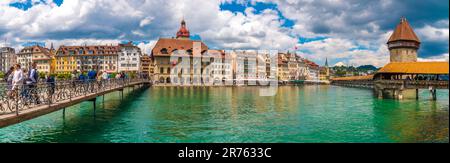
(413, 84)
(25, 97)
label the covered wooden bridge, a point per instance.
(401, 80)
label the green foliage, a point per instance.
(2, 75)
(63, 76)
(132, 75)
(42, 75)
(113, 75)
(340, 73)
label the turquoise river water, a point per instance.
(239, 114)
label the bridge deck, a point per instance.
(26, 113)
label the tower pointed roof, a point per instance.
(183, 32)
(326, 62)
(403, 32)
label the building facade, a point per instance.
(84, 58)
(43, 57)
(129, 58)
(283, 67)
(184, 51)
(8, 58)
(145, 65)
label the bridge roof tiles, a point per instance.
(416, 68)
(366, 77)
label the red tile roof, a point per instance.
(403, 32)
(106, 50)
(174, 44)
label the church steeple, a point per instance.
(326, 62)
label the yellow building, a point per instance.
(283, 68)
(64, 64)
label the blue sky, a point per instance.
(259, 7)
(351, 31)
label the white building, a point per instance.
(7, 58)
(221, 67)
(129, 58)
(246, 68)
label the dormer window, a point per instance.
(164, 51)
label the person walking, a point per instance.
(16, 80)
(74, 77)
(8, 79)
(51, 84)
(33, 78)
(105, 76)
(8, 73)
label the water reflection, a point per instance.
(413, 121)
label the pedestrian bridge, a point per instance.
(28, 103)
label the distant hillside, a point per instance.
(367, 68)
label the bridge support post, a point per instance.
(94, 103)
(417, 94)
(433, 94)
(64, 112)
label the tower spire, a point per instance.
(183, 33)
(403, 43)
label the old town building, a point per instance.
(220, 67)
(43, 57)
(129, 58)
(8, 58)
(85, 58)
(145, 65)
(283, 68)
(313, 70)
(183, 50)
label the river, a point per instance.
(238, 114)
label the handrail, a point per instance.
(30, 96)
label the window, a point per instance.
(161, 70)
(164, 51)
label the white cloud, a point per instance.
(442, 58)
(431, 33)
(143, 20)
